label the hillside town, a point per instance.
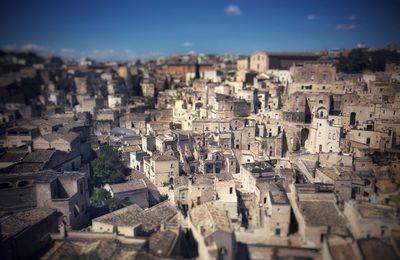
(270, 155)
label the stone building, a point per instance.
(130, 192)
(242, 64)
(274, 217)
(133, 221)
(161, 169)
(213, 231)
(26, 233)
(312, 77)
(62, 142)
(263, 61)
(316, 213)
(21, 135)
(371, 220)
(68, 192)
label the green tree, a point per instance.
(361, 59)
(107, 168)
(101, 199)
(356, 62)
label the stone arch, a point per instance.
(23, 183)
(353, 117)
(322, 112)
(304, 136)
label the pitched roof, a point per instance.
(128, 186)
(13, 156)
(39, 156)
(164, 157)
(162, 243)
(321, 213)
(69, 137)
(133, 215)
(13, 223)
(210, 219)
(376, 249)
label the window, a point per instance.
(230, 190)
(368, 140)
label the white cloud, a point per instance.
(67, 50)
(187, 44)
(104, 54)
(29, 47)
(10, 47)
(150, 55)
(311, 17)
(69, 53)
(97, 54)
(39, 49)
(346, 27)
(351, 17)
(233, 10)
(32, 47)
(124, 55)
(129, 54)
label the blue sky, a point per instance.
(149, 28)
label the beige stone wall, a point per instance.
(101, 227)
(377, 140)
(41, 143)
(242, 64)
(314, 73)
(323, 137)
(163, 171)
(227, 197)
(259, 62)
